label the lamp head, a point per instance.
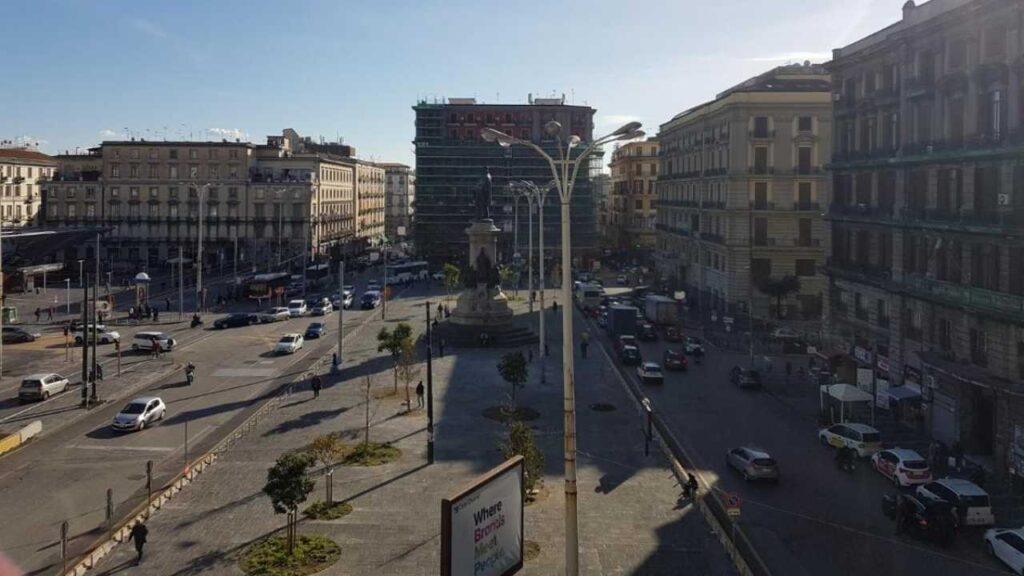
(492, 135)
(574, 141)
(627, 128)
(552, 128)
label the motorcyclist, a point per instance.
(196, 320)
(690, 488)
(190, 373)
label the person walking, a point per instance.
(440, 309)
(139, 535)
(156, 314)
(167, 304)
(38, 313)
(316, 384)
(156, 348)
(99, 372)
(584, 343)
(440, 348)
(50, 312)
(419, 394)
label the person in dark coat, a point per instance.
(419, 394)
(316, 384)
(139, 535)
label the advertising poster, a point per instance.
(482, 526)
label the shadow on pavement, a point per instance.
(408, 472)
(305, 421)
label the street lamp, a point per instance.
(565, 180)
(536, 195)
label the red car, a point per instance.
(674, 360)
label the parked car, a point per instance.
(903, 467)
(674, 360)
(293, 289)
(620, 280)
(321, 307)
(971, 502)
(1007, 544)
(753, 463)
(41, 386)
(625, 340)
(145, 341)
(275, 314)
(650, 373)
(693, 345)
(373, 286)
(746, 378)
(930, 520)
(315, 330)
(296, 308)
(672, 334)
(102, 335)
(370, 300)
(139, 413)
(236, 320)
(16, 335)
(630, 356)
(602, 320)
(289, 344)
(861, 437)
(785, 333)
(645, 331)
(439, 276)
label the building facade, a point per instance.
(926, 273)
(602, 183)
(740, 188)
(452, 159)
(632, 203)
(400, 200)
(21, 171)
(261, 205)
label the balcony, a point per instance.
(920, 85)
(999, 305)
(806, 170)
(859, 272)
(717, 205)
(761, 170)
(761, 134)
(994, 220)
(805, 206)
(762, 205)
(860, 213)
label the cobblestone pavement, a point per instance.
(631, 521)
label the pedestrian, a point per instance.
(99, 372)
(583, 348)
(50, 313)
(139, 534)
(316, 384)
(156, 314)
(547, 351)
(38, 312)
(419, 394)
(554, 306)
(156, 347)
(131, 312)
(37, 289)
(167, 304)
(440, 348)
(440, 309)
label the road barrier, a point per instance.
(8, 443)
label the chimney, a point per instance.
(908, 7)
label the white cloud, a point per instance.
(793, 57)
(229, 133)
(31, 141)
(107, 133)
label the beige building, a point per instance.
(400, 200)
(926, 273)
(740, 189)
(260, 204)
(602, 183)
(631, 203)
(21, 171)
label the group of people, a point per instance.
(144, 312)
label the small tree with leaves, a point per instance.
(778, 289)
(514, 370)
(288, 485)
(521, 443)
(408, 368)
(327, 449)
(507, 275)
(452, 278)
(394, 341)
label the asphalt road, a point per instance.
(817, 520)
(65, 475)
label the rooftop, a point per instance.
(26, 156)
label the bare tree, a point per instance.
(408, 368)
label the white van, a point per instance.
(970, 500)
(144, 341)
(589, 296)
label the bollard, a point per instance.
(149, 481)
(330, 487)
(64, 545)
(110, 508)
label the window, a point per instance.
(133, 193)
(172, 210)
(804, 124)
(71, 191)
(233, 154)
(115, 192)
(760, 231)
(193, 154)
(882, 312)
(803, 195)
(804, 159)
(957, 55)
(115, 170)
(761, 196)
(995, 43)
(154, 193)
(760, 159)
(979, 347)
(805, 267)
(172, 171)
(761, 127)
(173, 154)
(193, 170)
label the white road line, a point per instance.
(118, 448)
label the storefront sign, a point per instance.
(883, 363)
(482, 526)
(862, 355)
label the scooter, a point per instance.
(190, 374)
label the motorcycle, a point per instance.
(196, 321)
(190, 374)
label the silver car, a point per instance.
(41, 386)
(139, 413)
(753, 463)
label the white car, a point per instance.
(275, 314)
(103, 335)
(41, 386)
(289, 344)
(650, 372)
(439, 276)
(146, 341)
(139, 413)
(785, 333)
(321, 308)
(969, 499)
(296, 308)
(861, 437)
(693, 345)
(1007, 544)
(903, 467)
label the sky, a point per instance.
(77, 72)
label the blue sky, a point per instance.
(79, 71)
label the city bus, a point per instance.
(407, 272)
(267, 286)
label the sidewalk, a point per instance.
(629, 515)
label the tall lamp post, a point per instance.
(537, 195)
(565, 180)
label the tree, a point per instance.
(521, 443)
(366, 426)
(288, 485)
(514, 370)
(507, 275)
(327, 449)
(393, 341)
(451, 277)
(779, 289)
(408, 368)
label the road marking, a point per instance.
(117, 448)
(242, 372)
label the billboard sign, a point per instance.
(482, 525)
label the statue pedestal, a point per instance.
(482, 306)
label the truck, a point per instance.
(661, 310)
(621, 320)
(588, 296)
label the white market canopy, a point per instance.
(846, 393)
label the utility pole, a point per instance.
(95, 314)
(181, 283)
(199, 252)
(341, 309)
(384, 288)
(430, 392)
(305, 255)
(85, 345)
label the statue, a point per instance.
(483, 198)
(481, 272)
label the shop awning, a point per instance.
(904, 393)
(846, 393)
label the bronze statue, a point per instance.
(483, 198)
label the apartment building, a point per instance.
(399, 199)
(926, 272)
(740, 186)
(21, 171)
(452, 158)
(632, 205)
(263, 205)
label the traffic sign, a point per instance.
(732, 505)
